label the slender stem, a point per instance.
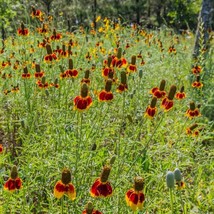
(182, 204)
(118, 145)
(78, 145)
(144, 149)
(179, 136)
(62, 205)
(171, 200)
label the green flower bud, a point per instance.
(177, 174)
(170, 179)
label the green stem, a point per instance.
(143, 150)
(182, 204)
(62, 205)
(78, 145)
(171, 200)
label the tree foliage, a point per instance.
(149, 13)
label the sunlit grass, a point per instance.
(42, 133)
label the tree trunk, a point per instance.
(204, 19)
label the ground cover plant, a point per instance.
(112, 120)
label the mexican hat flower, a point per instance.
(189, 130)
(42, 83)
(181, 94)
(151, 110)
(43, 29)
(23, 31)
(196, 69)
(193, 130)
(83, 101)
(108, 68)
(50, 57)
(38, 73)
(119, 61)
(25, 74)
(197, 83)
(64, 186)
(192, 111)
(55, 35)
(123, 84)
(106, 94)
(102, 187)
(172, 49)
(132, 66)
(159, 91)
(135, 196)
(71, 72)
(14, 182)
(167, 102)
(36, 13)
(89, 209)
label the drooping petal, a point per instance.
(59, 189)
(100, 189)
(71, 192)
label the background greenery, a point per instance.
(179, 14)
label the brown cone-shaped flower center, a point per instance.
(109, 61)
(63, 48)
(33, 9)
(162, 85)
(48, 48)
(70, 62)
(172, 92)
(182, 89)
(38, 68)
(14, 173)
(22, 26)
(25, 70)
(108, 85)
(133, 60)
(119, 53)
(84, 90)
(87, 72)
(105, 174)
(123, 77)
(198, 78)
(192, 106)
(138, 183)
(66, 176)
(54, 32)
(153, 102)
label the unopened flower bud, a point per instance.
(170, 179)
(108, 85)
(172, 92)
(177, 174)
(162, 85)
(70, 63)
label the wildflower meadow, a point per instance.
(113, 119)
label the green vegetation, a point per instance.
(44, 132)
